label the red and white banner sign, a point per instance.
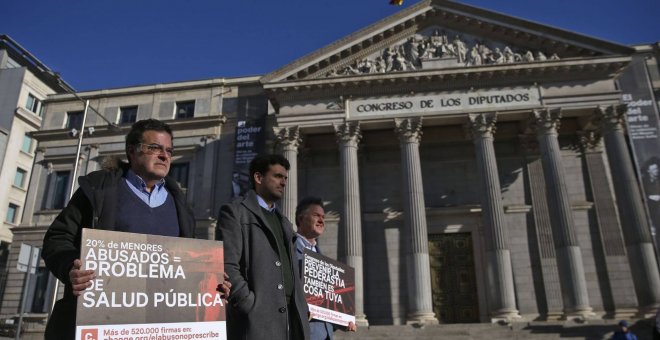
(329, 287)
(150, 287)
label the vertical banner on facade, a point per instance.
(643, 129)
(150, 287)
(329, 288)
(250, 139)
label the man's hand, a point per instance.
(352, 327)
(80, 279)
(224, 287)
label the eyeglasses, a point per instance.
(155, 149)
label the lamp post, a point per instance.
(77, 160)
(113, 127)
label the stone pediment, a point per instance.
(440, 34)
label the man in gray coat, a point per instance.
(266, 299)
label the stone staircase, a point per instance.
(591, 329)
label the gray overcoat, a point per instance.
(257, 307)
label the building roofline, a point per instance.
(344, 45)
(160, 87)
(39, 69)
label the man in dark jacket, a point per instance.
(267, 300)
(136, 197)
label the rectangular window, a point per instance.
(41, 292)
(27, 144)
(251, 107)
(74, 120)
(179, 172)
(185, 109)
(128, 114)
(19, 179)
(34, 104)
(12, 212)
(58, 188)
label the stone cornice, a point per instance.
(452, 78)
(156, 88)
(28, 117)
(105, 131)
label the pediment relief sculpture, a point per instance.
(440, 49)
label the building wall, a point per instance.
(199, 142)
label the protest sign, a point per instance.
(329, 288)
(150, 287)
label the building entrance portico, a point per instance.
(437, 108)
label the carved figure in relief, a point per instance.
(449, 50)
(540, 56)
(399, 62)
(485, 52)
(409, 55)
(497, 57)
(380, 64)
(509, 57)
(349, 70)
(388, 56)
(425, 50)
(411, 50)
(461, 49)
(474, 58)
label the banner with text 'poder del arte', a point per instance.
(329, 287)
(150, 287)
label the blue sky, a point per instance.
(97, 44)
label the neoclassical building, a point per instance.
(478, 165)
(475, 166)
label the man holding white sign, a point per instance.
(310, 219)
(137, 197)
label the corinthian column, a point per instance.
(569, 256)
(501, 293)
(420, 308)
(288, 140)
(348, 136)
(635, 226)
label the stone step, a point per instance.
(596, 330)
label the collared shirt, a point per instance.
(305, 243)
(153, 199)
(264, 205)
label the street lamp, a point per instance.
(112, 126)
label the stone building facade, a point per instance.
(470, 158)
(197, 112)
(24, 85)
(475, 166)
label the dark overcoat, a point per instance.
(93, 205)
